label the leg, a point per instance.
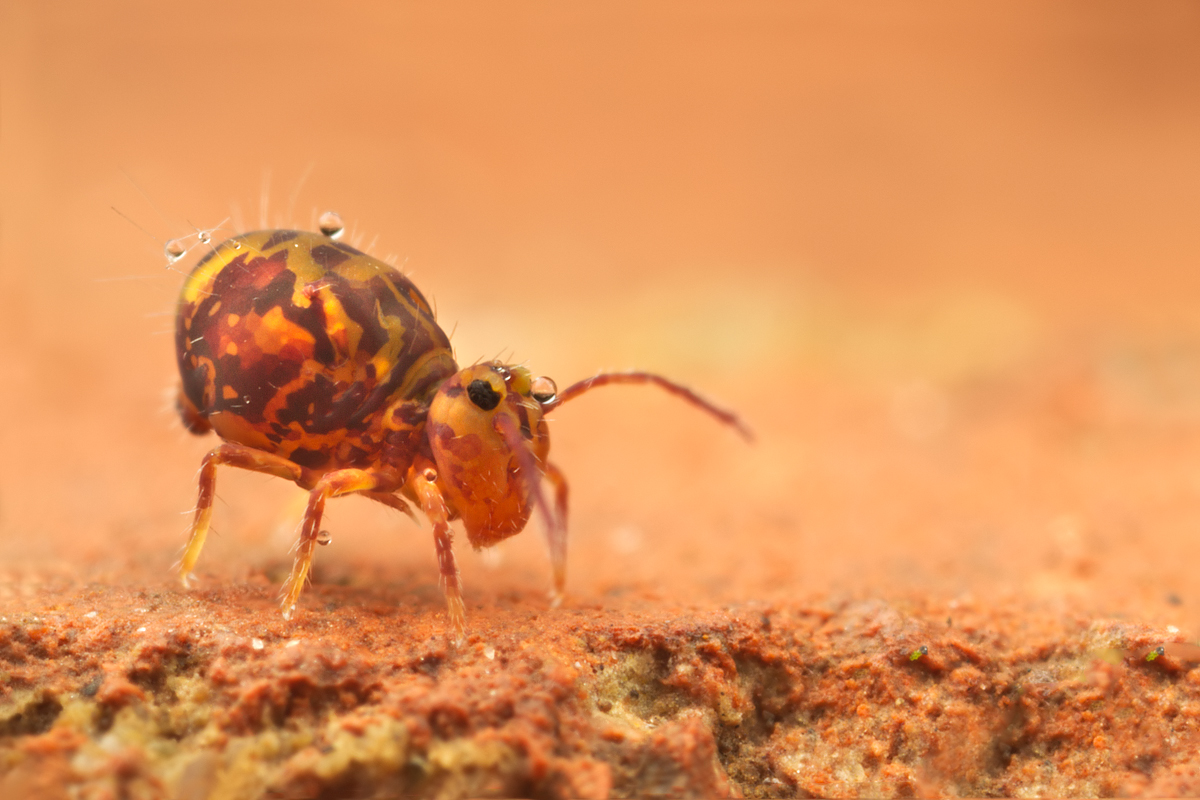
(332, 484)
(422, 481)
(235, 455)
(392, 501)
(556, 534)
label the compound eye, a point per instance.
(483, 395)
(543, 389)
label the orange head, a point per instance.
(490, 440)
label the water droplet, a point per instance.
(174, 250)
(324, 538)
(204, 236)
(543, 389)
(331, 224)
(491, 557)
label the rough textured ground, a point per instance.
(187, 697)
(943, 260)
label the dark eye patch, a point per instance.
(483, 395)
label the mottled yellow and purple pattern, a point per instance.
(292, 343)
(321, 365)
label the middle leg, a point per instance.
(332, 484)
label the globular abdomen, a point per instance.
(291, 342)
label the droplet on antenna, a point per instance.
(174, 250)
(331, 224)
(543, 389)
(204, 236)
(324, 538)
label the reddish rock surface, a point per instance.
(211, 695)
(944, 263)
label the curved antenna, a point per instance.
(604, 378)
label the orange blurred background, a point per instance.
(943, 258)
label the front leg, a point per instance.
(332, 484)
(422, 482)
(556, 533)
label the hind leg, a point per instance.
(234, 455)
